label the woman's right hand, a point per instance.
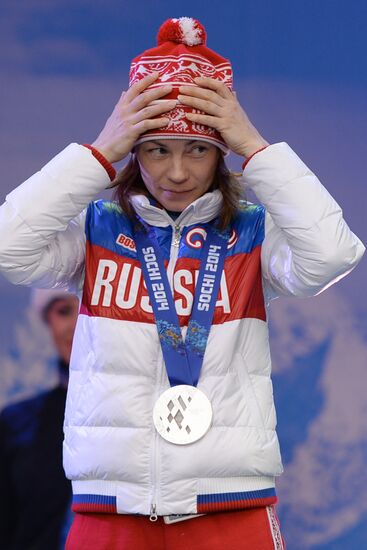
(131, 117)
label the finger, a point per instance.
(202, 93)
(207, 120)
(119, 101)
(139, 86)
(151, 124)
(147, 97)
(202, 104)
(212, 84)
(154, 110)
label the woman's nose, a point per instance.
(177, 171)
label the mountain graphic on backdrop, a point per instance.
(318, 352)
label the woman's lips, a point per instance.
(177, 192)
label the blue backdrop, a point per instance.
(300, 72)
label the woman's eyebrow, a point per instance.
(165, 145)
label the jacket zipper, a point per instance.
(153, 507)
(175, 245)
(153, 513)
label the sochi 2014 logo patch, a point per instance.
(126, 242)
(196, 236)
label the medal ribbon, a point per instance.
(183, 360)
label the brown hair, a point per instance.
(129, 182)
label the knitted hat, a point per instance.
(41, 299)
(180, 56)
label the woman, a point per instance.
(176, 423)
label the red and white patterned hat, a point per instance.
(180, 56)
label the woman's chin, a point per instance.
(176, 202)
(175, 207)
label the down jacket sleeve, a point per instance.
(307, 246)
(42, 221)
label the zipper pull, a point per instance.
(177, 235)
(153, 514)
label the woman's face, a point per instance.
(177, 171)
(61, 318)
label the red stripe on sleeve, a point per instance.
(250, 157)
(105, 163)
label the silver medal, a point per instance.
(182, 414)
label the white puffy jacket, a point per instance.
(297, 244)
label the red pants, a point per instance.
(252, 529)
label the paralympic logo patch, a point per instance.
(196, 236)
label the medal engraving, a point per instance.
(182, 414)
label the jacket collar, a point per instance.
(202, 210)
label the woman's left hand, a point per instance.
(224, 113)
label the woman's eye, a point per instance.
(199, 149)
(157, 151)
